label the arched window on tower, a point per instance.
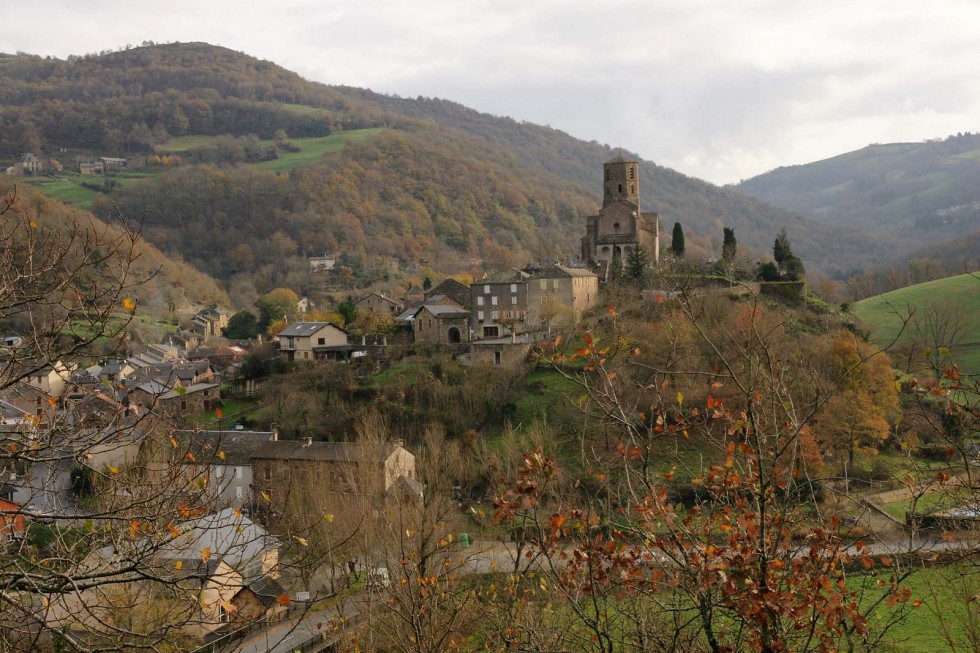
(620, 188)
(632, 173)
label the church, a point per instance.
(620, 225)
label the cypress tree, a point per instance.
(677, 240)
(729, 247)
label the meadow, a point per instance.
(885, 316)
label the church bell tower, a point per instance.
(621, 181)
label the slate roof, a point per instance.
(446, 310)
(306, 328)
(325, 451)
(511, 275)
(237, 446)
(231, 538)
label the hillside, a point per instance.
(917, 193)
(944, 313)
(435, 181)
(166, 283)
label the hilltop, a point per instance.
(428, 184)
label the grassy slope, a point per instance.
(881, 315)
(69, 188)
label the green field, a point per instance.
(69, 187)
(312, 149)
(883, 315)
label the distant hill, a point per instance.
(435, 184)
(911, 194)
(954, 299)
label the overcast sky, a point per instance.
(717, 90)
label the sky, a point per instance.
(722, 91)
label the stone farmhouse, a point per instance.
(513, 301)
(620, 225)
(291, 478)
(380, 304)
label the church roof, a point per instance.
(620, 159)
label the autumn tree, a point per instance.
(644, 564)
(276, 305)
(865, 401)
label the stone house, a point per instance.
(208, 322)
(224, 459)
(178, 401)
(441, 322)
(293, 478)
(500, 304)
(501, 352)
(620, 224)
(452, 289)
(313, 341)
(380, 304)
(558, 295)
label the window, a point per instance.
(554, 284)
(268, 473)
(494, 315)
(607, 174)
(615, 226)
(513, 287)
(632, 173)
(183, 405)
(513, 300)
(496, 358)
(491, 332)
(544, 283)
(479, 316)
(632, 189)
(306, 354)
(321, 341)
(238, 472)
(620, 188)
(486, 290)
(479, 300)
(493, 300)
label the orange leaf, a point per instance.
(52, 401)
(206, 554)
(282, 599)
(612, 311)
(128, 304)
(217, 412)
(588, 339)
(189, 456)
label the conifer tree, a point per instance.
(636, 264)
(677, 240)
(729, 246)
